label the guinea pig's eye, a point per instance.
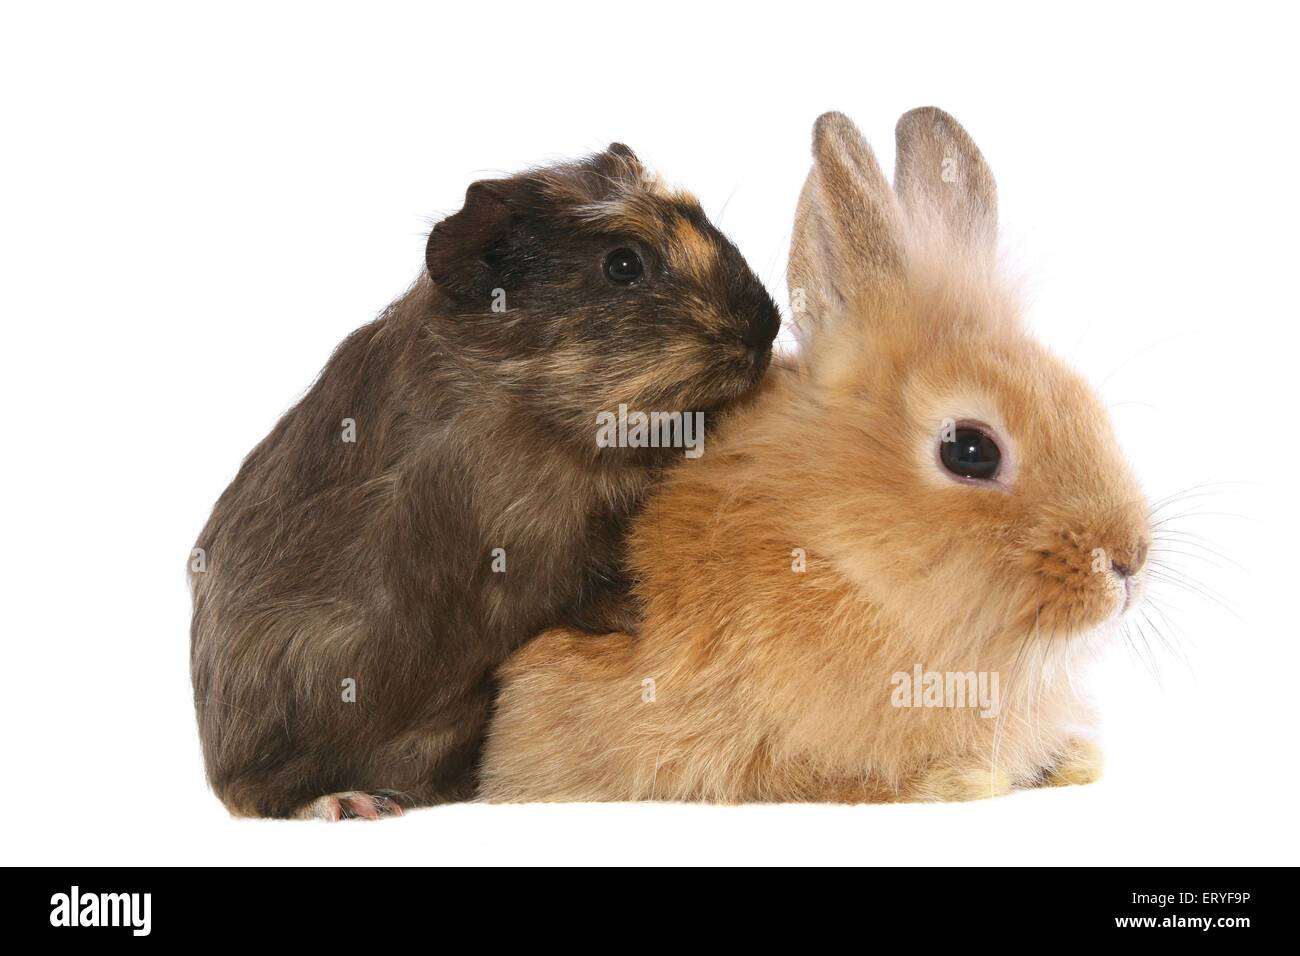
(971, 454)
(623, 266)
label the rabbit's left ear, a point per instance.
(942, 180)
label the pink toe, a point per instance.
(364, 807)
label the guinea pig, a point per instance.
(878, 583)
(441, 493)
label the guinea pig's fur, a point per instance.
(819, 550)
(473, 506)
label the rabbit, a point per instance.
(440, 494)
(928, 492)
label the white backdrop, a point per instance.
(198, 205)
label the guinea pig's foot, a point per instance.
(351, 805)
(1081, 763)
(955, 784)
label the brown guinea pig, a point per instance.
(442, 494)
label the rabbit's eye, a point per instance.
(623, 266)
(971, 454)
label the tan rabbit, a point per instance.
(877, 582)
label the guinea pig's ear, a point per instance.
(623, 152)
(460, 252)
(846, 247)
(943, 181)
(619, 164)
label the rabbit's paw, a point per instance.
(952, 784)
(1081, 763)
(349, 805)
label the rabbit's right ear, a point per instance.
(943, 181)
(460, 253)
(846, 248)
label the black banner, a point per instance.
(209, 905)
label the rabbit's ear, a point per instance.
(942, 179)
(845, 249)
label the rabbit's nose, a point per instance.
(1131, 563)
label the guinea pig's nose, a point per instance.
(761, 331)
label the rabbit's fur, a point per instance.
(752, 680)
(475, 506)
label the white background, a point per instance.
(197, 206)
